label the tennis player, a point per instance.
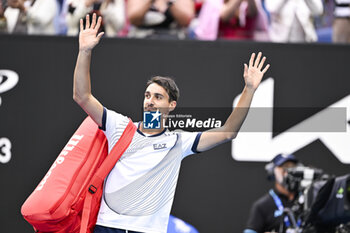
(139, 191)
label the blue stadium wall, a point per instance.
(214, 192)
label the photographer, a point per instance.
(267, 211)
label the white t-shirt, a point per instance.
(139, 191)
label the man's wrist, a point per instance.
(85, 51)
(249, 89)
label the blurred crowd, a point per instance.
(259, 20)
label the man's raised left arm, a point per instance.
(253, 74)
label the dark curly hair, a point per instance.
(168, 84)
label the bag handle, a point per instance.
(107, 165)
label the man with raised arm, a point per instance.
(139, 191)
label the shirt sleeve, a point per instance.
(189, 142)
(113, 126)
(255, 220)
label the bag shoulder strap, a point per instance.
(107, 165)
(113, 157)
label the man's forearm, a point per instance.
(229, 130)
(238, 115)
(82, 84)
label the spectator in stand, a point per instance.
(3, 23)
(60, 22)
(31, 16)
(112, 11)
(231, 19)
(238, 19)
(341, 23)
(159, 18)
(292, 20)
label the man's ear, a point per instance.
(172, 105)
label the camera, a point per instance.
(322, 203)
(301, 177)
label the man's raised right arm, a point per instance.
(88, 39)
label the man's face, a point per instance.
(156, 98)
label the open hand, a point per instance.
(253, 73)
(88, 37)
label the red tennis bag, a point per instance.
(68, 197)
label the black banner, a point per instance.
(216, 188)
